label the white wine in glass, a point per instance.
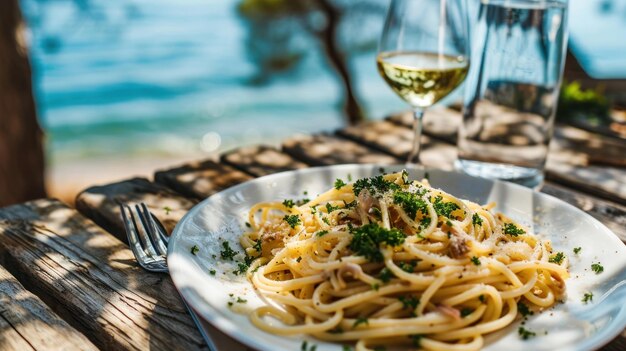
(423, 54)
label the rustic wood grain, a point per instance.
(261, 160)
(26, 323)
(397, 141)
(101, 203)
(440, 123)
(91, 279)
(323, 149)
(200, 179)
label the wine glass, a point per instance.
(424, 54)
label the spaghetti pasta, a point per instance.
(390, 261)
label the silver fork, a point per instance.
(148, 240)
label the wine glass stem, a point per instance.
(414, 156)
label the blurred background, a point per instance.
(122, 87)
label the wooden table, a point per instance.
(68, 280)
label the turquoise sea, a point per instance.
(167, 78)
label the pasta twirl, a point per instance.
(389, 261)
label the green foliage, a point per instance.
(578, 103)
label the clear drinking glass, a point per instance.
(423, 53)
(518, 53)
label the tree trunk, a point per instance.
(21, 151)
(352, 108)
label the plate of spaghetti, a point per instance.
(363, 257)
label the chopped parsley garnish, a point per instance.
(597, 267)
(167, 210)
(336, 330)
(588, 297)
(525, 333)
(305, 346)
(556, 258)
(227, 253)
(386, 274)
(466, 311)
(408, 267)
(476, 220)
(299, 259)
(321, 233)
(212, 272)
(325, 220)
(302, 201)
(330, 208)
(359, 321)
(339, 184)
(345, 347)
(425, 222)
(349, 204)
(242, 268)
(409, 301)
(257, 246)
(444, 208)
(375, 185)
(416, 339)
(512, 230)
(240, 300)
(288, 203)
(366, 240)
(405, 176)
(375, 286)
(577, 250)
(248, 224)
(523, 309)
(427, 176)
(410, 203)
(475, 260)
(292, 220)
(194, 250)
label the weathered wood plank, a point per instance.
(397, 141)
(101, 203)
(200, 179)
(261, 160)
(26, 323)
(440, 123)
(323, 149)
(91, 279)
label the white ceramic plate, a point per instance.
(572, 325)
